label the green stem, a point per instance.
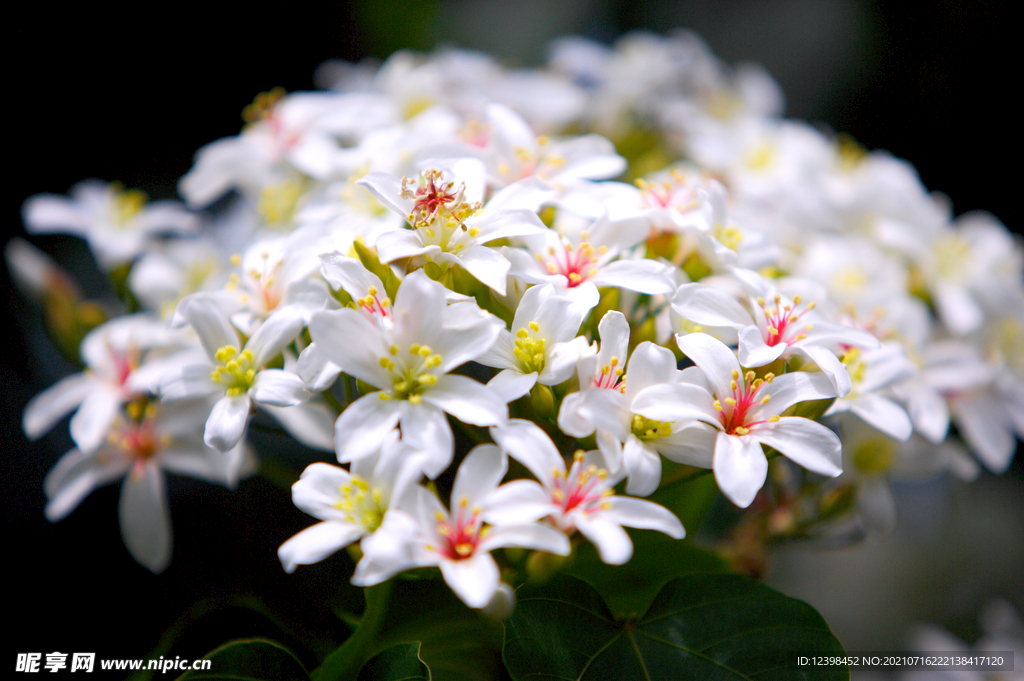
(345, 662)
(331, 400)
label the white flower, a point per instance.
(581, 498)
(577, 265)
(350, 504)
(141, 445)
(654, 416)
(458, 541)
(542, 346)
(603, 371)
(872, 373)
(782, 328)
(745, 412)
(449, 224)
(409, 360)
(116, 222)
(113, 354)
(234, 369)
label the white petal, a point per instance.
(675, 402)
(317, 542)
(803, 441)
(883, 414)
(645, 515)
(643, 465)
(479, 474)
(388, 190)
(312, 423)
(467, 400)
(713, 357)
(74, 477)
(227, 422)
(794, 387)
(753, 351)
(473, 580)
(512, 384)
(278, 388)
(831, 366)
(350, 340)
(425, 427)
(146, 518)
(210, 323)
(519, 501)
(318, 373)
(740, 468)
(709, 306)
(363, 425)
(644, 276)
(277, 331)
(529, 445)
(612, 542)
(50, 406)
(487, 265)
(649, 365)
(529, 536)
(569, 420)
(91, 423)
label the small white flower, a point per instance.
(542, 346)
(458, 541)
(409, 360)
(352, 504)
(581, 498)
(234, 369)
(744, 413)
(140, 447)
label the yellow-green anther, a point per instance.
(234, 371)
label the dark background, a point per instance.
(130, 94)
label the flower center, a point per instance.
(127, 204)
(677, 193)
(460, 535)
(234, 371)
(648, 430)
(855, 365)
(277, 201)
(735, 413)
(952, 257)
(575, 264)
(412, 377)
(440, 211)
(372, 306)
(361, 503)
(529, 349)
(782, 320)
(581, 488)
(611, 377)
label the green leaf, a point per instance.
(709, 627)
(629, 589)
(371, 261)
(458, 643)
(397, 663)
(254, 659)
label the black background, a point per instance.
(130, 94)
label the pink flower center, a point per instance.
(783, 320)
(575, 264)
(610, 377)
(735, 413)
(582, 488)
(676, 193)
(460, 535)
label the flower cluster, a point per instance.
(428, 248)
